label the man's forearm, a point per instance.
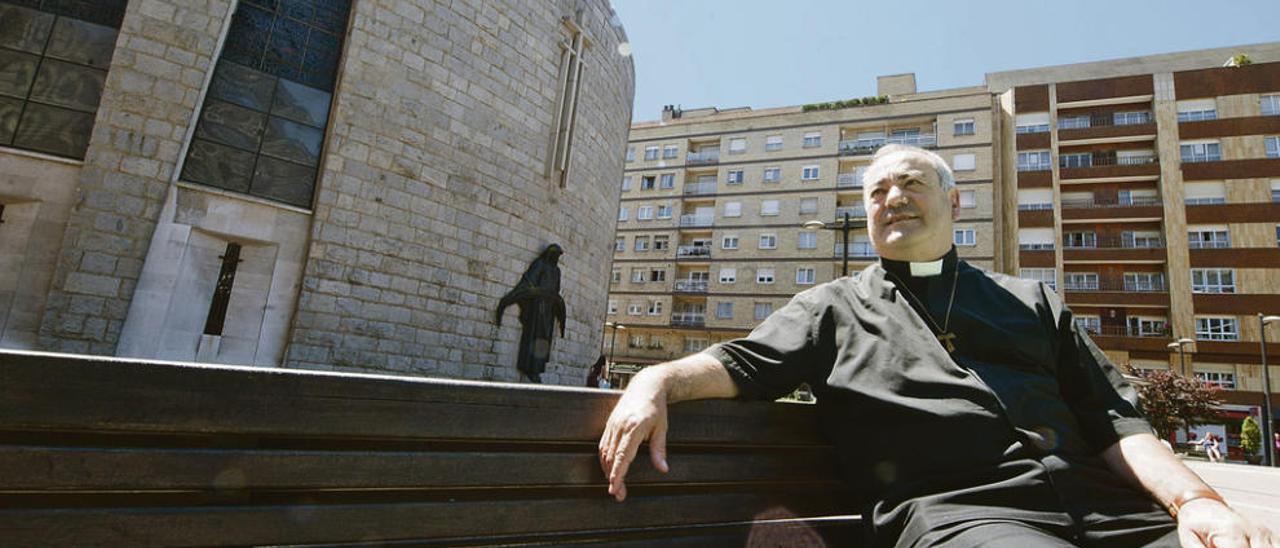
(694, 377)
(1146, 462)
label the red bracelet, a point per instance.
(1190, 495)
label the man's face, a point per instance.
(909, 215)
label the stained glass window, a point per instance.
(54, 56)
(262, 124)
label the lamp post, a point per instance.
(1268, 444)
(1182, 358)
(612, 344)
(846, 223)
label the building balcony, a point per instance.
(700, 188)
(1106, 125)
(696, 220)
(1125, 331)
(855, 212)
(1151, 287)
(702, 158)
(859, 147)
(850, 180)
(1122, 250)
(1099, 166)
(688, 319)
(693, 251)
(1134, 209)
(857, 250)
(691, 286)
(1132, 294)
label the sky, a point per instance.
(763, 53)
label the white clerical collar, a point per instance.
(927, 268)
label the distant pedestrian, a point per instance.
(595, 373)
(1210, 445)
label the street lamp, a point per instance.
(612, 344)
(1182, 358)
(846, 223)
(1268, 444)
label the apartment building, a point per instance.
(711, 233)
(1147, 192)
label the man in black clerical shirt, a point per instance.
(1044, 441)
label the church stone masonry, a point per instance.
(432, 195)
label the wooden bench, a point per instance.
(128, 452)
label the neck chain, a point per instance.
(944, 337)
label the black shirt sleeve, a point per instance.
(778, 355)
(1104, 403)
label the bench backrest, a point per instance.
(112, 451)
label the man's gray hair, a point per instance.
(945, 177)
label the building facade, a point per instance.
(1145, 190)
(328, 184)
(711, 230)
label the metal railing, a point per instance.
(703, 157)
(1120, 243)
(857, 250)
(699, 189)
(689, 319)
(1138, 287)
(1102, 160)
(1212, 244)
(1125, 331)
(696, 220)
(693, 251)
(1137, 201)
(1103, 119)
(1035, 167)
(691, 286)
(855, 212)
(849, 180)
(870, 145)
(1034, 207)
(1035, 247)
(1197, 158)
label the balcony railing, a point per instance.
(703, 157)
(1133, 287)
(1213, 244)
(691, 286)
(1034, 207)
(697, 220)
(693, 251)
(699, 189)
(1118, 243)
(1102, 160)
(1103, 119)
(1035, 167)
(849, 180)
(855, 212)
(869, 146)
(1124, 331)
(1137, 201)
(688, 319)
(1035, 247)
(857, 250)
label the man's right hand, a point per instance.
(640, 415)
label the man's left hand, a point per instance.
(1212, 524)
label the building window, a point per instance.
(724, 310)
(809, 173)
(1088, 239)
(963, 126)
(1073, 122)
(262, 125)
(1082, 159)
(666, 180)
(655, 308)
(772, 143)
(695, 345)
(670, 151)
(613, 307)
(615, 276)
(734, 177)
(634, 309)
(1080, 281)
(807, 240)
(53, 64)
(620, 243)
(812, 140)
(964, 237)
(764, 275)
(1089, 324)
(763, 310)
(222, 290)
(728, 275)
(768, 241)
(626, 184)
(651, 153)
(644, 213)
(808, 206)
(964, 162)
(1216, 329)
(622, 213)
(1131, 118)
(1037, 122)
(1144, 281)
(642, 243)
(637, 275)
(1275, 190)
(733, 209)
(664, 211)
(631, 154)
(772, 174)
(1047, 276)
(647, 182)
(661, 243)
(1037, 160)
(769, 208)
(805, 276)
(729, 242)
(737, 145)
(1213, 280)
(1208, 238)
(1201, 152)
(1139, 326)
(1203, 193)
(1197, 110)
(1269, 105)
(1225, 381)
(968, 199)
(1273, 146)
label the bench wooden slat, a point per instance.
(88, 393)
(354, 523)
(102, 469)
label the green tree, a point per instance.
(1172, 401)
(1250, 436)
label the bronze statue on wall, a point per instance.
(541, 306)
